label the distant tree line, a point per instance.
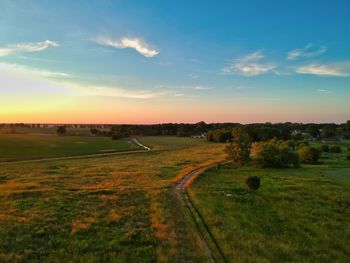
(215, 132)
(283, 131)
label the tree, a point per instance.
(313, 130)
(61, 130)
(253, 183)
(309, 154)
(274, 154)
(239, 149)
(328, 131)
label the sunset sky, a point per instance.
(174, 61)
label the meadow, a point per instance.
(298, 215)
(15, 147)
(119, 208)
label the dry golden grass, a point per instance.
(123, 201)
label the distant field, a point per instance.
(30, 146)
(114, 209)
(27, 130)
(298, 215)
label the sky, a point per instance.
(104, 61)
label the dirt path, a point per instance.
(140, 144)
(209, 243)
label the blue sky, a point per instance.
(165, 61)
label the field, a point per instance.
(15, 147)
(124, 207)
(298, 215)
(119, 208)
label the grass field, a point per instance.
(114, 209)
(298, 215)
(30, 146)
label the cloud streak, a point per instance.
(27, 47)
(249, 65)
(135, 43)
(322, 70)
(306, 52)
(20, 79)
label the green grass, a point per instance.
(298, 215)
(30, 146)
(114, 209)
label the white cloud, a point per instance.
(322, 70)
(138, 44)
(193, 76)
(5, 52)
(179, 94)
(324, 91)
(33, 72)
(16, 79)
(27, 47)
(249, 65)
(184, 87)
(116, 92)
(306, 52)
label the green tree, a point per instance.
(239, 149)
(309, 154)
(61, 130)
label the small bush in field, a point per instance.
(253, 183)
(349, 149)
(309, 154)
(348, 157)
(335, 149)
(325, 148)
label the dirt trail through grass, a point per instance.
(209, 243)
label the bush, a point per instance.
(253, 183)
(325, 148)
(348, 157)
(335, 149)
(274, 154)
(309, 154)
(349, 149)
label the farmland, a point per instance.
(118, 208)
(15, 147)
(298, 215)
(123, 207)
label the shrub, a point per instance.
(335, 149)
(325, 148)
(309, 154)
(348, 157)
(274, 154)
(253, 183)
(349, 149)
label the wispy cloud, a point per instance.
(324, 91)
(193, 76)
(27, 47)
(22, 79)
(249, 65)
(323, 70)
(103, 91)
(183, 87)
(135, 43)
(306, 52)
(34, 72)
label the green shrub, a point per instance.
(253, 183)
(348, 157)
(325, 148)
(335, 149)
(274, 154)
(309, 154)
